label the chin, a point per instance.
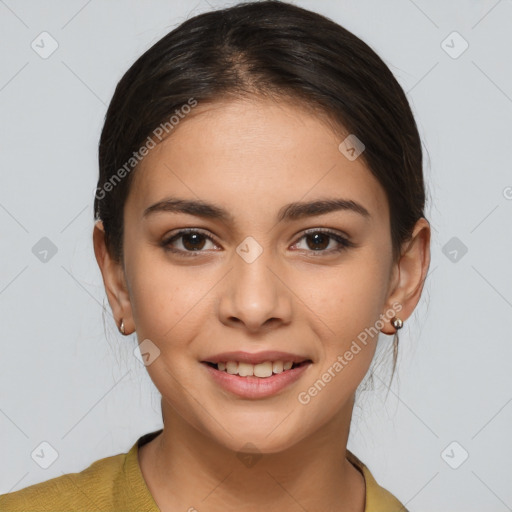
(257, 436)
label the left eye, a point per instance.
(319, 241)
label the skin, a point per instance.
(252, 157)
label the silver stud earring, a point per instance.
(397, 323)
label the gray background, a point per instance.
(64, 382)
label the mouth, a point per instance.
(262, 370)
(256, 376)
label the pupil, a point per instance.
(196, 239)
(319, 237)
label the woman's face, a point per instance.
(251, 279)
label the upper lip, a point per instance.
(256, 357)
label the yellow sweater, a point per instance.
(116, 484)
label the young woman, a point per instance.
(259, 221)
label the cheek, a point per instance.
(163, 296)
(351, 297)
(349, 300)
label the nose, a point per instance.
(254, 296)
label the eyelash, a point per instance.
(343, 242)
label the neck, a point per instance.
(184, 469)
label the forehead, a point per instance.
(265, 152)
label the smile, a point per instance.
(255, 381)
(263, 370)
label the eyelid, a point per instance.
(185, 231)
(341, 238)
(327, 231)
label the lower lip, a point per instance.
(256, 387)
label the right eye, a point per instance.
(192, 242)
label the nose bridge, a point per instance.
(253, 294)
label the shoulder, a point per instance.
(378, 499)
(94, 488)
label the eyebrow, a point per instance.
(291, 211)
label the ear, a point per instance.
(408, 275)
(114, 280)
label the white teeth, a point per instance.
(261, 370)
(232, 367)
(277, 367)
(245, 369)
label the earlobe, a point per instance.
(411, 269)
(113, 280)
